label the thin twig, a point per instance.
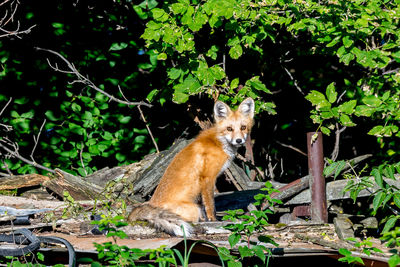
(294, 81)
(148, 129)
(36, 140)
(340, 97)
(8, 127)
(86, 81)
(81, 159)
(7, 169)
(390, 71)
(9, 101)
(335, 151)
(238, 156)
(292, 147)
(144, 120)
(4, 2)
(7, 18)
(15, 154)
(16, 32)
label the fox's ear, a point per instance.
(221, 111)
(247, 107)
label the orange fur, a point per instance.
(194, 170)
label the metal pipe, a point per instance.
(315, 152)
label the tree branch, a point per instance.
(335, 151)
(4, 108)
(144, 120)
(8, 17)
(293, 148)
(36, 140)
(82, 79)
(16, 154)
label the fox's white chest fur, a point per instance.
(230, 151)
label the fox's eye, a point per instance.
(229, 129)
(243, 128)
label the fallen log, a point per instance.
(20, 181)
(77, 187)
(105, 175)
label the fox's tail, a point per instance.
(162, 219)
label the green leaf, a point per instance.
(371, 101)
(174, 73)
(162, 56)
(364, 110)
(394, 260)
(152, 94)
(390, 223)
(335, 167)
(120, 157)
(233, 41)
(233, 239)
(217, 72)
(331, 93)
(378, 199)
(21, 101)
(50, 115)
(347, 42)
(257, 84)
(234, 83)
(139, 11)
(118, 46)
(344, 252)
(259, 252)
(75, 107)
(40, 256)
(57, 25)
(378, 177)
(158, 14)
(236, 51)
(190, 85)
(346, 58)
(333, 42)
(376, 130)
(224, 253)
(233, 263)
(346, 120)
(396, 199)
(180, 97)
(245, 252)
(125, 119)
(348, 107)
(317, 99)
(325, 130)
(212, 52)
(340, 166)
(178, 8)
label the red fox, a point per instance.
(194, 171)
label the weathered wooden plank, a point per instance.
(334, 191)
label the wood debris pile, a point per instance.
(46, 208)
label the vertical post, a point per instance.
(315, 152)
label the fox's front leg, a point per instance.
(207, 195)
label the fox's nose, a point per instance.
(239, 141)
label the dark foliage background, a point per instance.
(84, 131)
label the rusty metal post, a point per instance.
(315, 152)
